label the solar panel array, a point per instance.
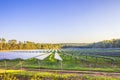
(41, 55)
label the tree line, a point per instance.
(19, 45)
(113, 43)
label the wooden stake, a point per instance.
(39, 64)
(5, 66)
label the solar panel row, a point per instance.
(25, 56)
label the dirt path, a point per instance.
(80, 73)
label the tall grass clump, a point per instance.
(8, 76)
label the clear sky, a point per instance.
(64, 21)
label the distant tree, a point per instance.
(13, 45)
(13, 41)
(2, 43)
(38, 46)
(20, 45)
(113, 43)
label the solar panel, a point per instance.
(57, 57)
(42, 57)
(15, 55)
(27, 55)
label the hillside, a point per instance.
(113, 43)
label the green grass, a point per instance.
(85, 77)
(72, 60)
(30, 75)
(18, 75)
(73, 64)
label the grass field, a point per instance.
(99, 60)
(31, 75)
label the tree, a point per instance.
(2, 43)
(20, 45)
(13, 44)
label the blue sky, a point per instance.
(60, 21)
